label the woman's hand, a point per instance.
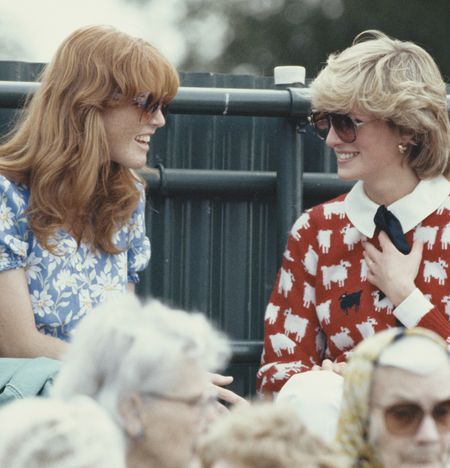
(223, 394)
(391, 271)
(337, 367)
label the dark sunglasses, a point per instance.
(147, 103)
(344, 125)
(405, 418)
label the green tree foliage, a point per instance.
(261, 34)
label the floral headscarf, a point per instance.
(353, 423)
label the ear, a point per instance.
(130, 410)
(407, 138)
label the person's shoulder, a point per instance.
(16, 193)
(329, 208)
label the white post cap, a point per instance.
(288, 75)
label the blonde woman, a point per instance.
(378, 256)
(72, 206)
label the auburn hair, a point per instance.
(58, 147)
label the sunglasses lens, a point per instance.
(403, 418)
(344, 127)
(321, 123)
(441, 414)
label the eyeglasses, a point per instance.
(199, 401)
(147, 103)
(344, 125)
(405, 418)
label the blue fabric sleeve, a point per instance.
(13, 225)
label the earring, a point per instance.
(140, 435)
(402, 148)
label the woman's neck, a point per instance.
(387, 191)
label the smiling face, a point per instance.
(129, 130)
(427, 446)
(375, 159)
(374, 153)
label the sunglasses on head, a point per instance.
(405, 418)
(147, 103)
(344, 125)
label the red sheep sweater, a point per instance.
(322, 305)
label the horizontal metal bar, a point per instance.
(13, 93)
(289, 102)
(246, 352)
(204, 183)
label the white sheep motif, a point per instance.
(284, 368)
(323, 312)
(310, 260)
(280, 343)
(334, 208)
(342, 339)
(335, 273)
(446, 301)
(426, 234)
(309, 294)
(435, 270)
(380, 304)
(295, 324)
(301, 223)
(364, 270)
(445, 238)
(324, 239)
(351, 236)
(367, 328)
(271, 313)
(286, 282)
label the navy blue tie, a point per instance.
(388, 222)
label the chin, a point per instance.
(347, 177)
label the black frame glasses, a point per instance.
(406, 418)
(344, 125)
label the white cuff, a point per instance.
(411, 310)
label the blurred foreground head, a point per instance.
(148, 366)
(263, 435)
(45, 433)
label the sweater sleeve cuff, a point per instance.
(411, 310)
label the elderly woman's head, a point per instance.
(396, 401)
(45, 433)
(265, 436)
(397, 82)
(147, 365)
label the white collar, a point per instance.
(410, 210)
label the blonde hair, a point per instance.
(395, 81)
(265, 436)
(59, 147)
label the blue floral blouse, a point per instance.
(65, 287)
